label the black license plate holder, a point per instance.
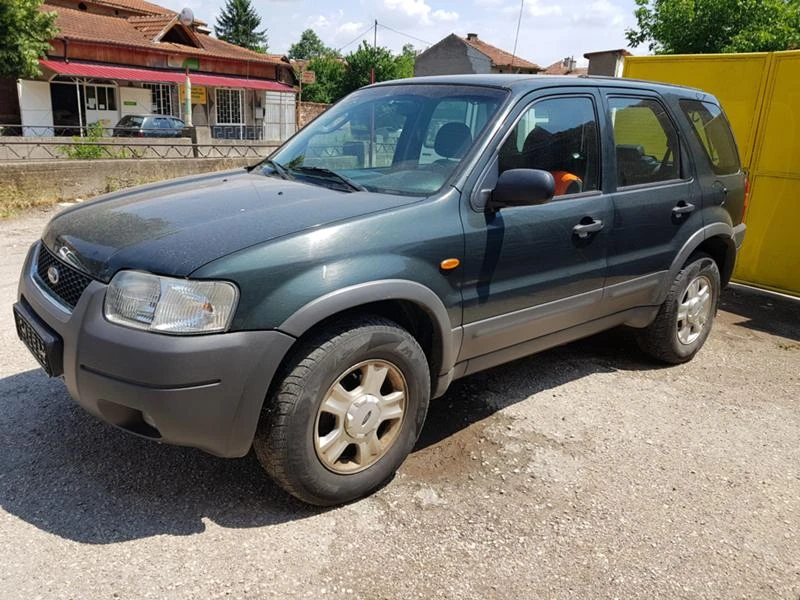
(44, 343)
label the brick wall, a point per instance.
(25, 184)
(308, 111)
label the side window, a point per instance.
(712, 129)
(646, 142)
(557, 135)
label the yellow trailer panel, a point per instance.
(760, 93)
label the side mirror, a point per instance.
(522, 187)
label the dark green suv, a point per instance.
(417, 232)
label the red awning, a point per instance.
(98, 71)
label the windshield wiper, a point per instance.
(328, 174)
(282, 172)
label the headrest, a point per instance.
(452, 140)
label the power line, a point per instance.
(358, 37)
(405, 34)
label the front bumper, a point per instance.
(204, 391)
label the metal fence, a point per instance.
(27, 149)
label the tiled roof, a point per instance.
(500, 58)
(136, 5)
(151, 25)
(113, 31)
(563, 68)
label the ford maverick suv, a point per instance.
(419, 231)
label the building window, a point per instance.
(161, 98)
(101, 97)
(229, 107)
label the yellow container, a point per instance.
(760, 93)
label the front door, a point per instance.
(534, 270)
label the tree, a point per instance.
(329, 69)
(238, 23)
(25, 34)
(309, 46)
(360, 64)
(405, 62)
(710, 26)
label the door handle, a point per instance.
(582, 230)
(683, 208)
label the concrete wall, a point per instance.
(606, 64)
(451, 56)
(308, 111)
(25, 184)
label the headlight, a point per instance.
(167, 305)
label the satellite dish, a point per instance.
(186, 18)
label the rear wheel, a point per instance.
(347, 412)
(684, 320)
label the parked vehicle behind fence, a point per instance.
(149, 126)
(417, 232)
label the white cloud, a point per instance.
(444, 15)
(418, 12)
(350, 28)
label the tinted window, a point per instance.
(557, 135)
(646, 142)
(712, 129)
(130, 121)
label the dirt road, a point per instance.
(585, 472)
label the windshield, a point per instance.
(402, 139)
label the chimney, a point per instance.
(472, 36)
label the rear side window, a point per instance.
(646, 142)
(711, 128)
(130, 121)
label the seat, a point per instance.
(452, 141)
(548, 152)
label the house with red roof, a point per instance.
(455, 55)
(112, 58)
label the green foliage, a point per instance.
(405, 62)
(238, 23)
(386, 65)
(25, 34)
(309, 46)
(86, 148)
(337, 77)
(711, 26)
(329, 69)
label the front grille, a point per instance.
(70, 282)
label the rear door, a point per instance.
(720, 175)
(656, 197)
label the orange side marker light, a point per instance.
(448, 264)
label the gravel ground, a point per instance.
(584, 472)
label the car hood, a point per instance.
(175, 227)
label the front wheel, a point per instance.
(347, 412)
(684, 319)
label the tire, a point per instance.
(685, 318)
(320, 436)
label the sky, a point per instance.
(550, 29)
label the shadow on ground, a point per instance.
(66, 473)
(773, 314)
(477, 397)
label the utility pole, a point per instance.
(374, 53)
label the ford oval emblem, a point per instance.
(53, 275)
